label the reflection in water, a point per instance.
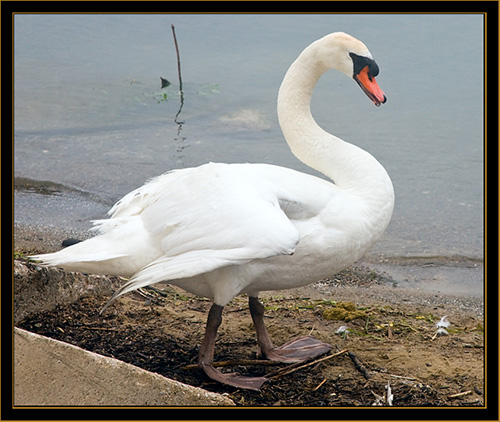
(180, 142)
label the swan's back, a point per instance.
(202, 218)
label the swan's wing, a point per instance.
(206, 218)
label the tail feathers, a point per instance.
(95, 250)
(62, 258)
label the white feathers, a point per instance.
(441, 326)
(443, 322)
(343, 331)
(390, 396)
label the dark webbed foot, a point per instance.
(233, 378)
(298, 350)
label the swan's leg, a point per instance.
(296, 350)
(206, 356)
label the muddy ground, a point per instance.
(391, 339)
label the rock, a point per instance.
(39, 288)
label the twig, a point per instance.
(359, 366)
(455, 396)
(101, 328)
(289, 370)
(319, 385)
(178, 59)
(278, 372)
(389, 331)
(157, 291)
(405, 378)
(236, 310)
(180, 77)
(409, 326)
(148, 296)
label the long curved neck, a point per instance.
(352, 169)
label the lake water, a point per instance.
(90, 113)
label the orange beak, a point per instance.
(370, 87)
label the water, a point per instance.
(90, 114)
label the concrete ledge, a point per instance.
(48, 372)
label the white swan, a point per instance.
(220, 230)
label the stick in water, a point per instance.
(180, 77)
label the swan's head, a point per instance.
(350, 56)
